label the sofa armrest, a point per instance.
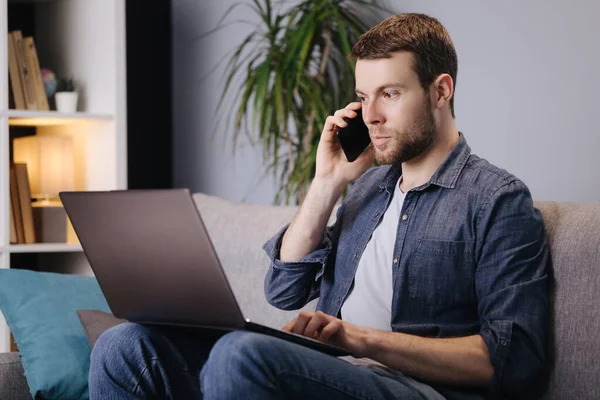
(13, 384)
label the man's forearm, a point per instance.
(458, 361)
(306, 230)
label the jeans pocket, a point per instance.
(442, 273)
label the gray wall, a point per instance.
(525, 99)
(203, 159)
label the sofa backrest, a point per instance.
(574, 235)
(239, 230)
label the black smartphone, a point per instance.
(354, 138)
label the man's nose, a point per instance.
(370, 114)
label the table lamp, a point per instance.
(50, 170)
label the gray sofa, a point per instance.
(239, 230)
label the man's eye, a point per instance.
(389, 95)
(361, 99)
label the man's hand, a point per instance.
(330, 330)
(331, 163)
(333, 173)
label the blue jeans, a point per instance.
(132, 361)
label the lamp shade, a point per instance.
(49, 162)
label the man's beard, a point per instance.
(416, 140)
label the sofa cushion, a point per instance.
(574, 235)
(40, 310)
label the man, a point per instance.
(433, 275)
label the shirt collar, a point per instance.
(447, 173)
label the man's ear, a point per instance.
(443, 90)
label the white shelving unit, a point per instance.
(43, 248)
(84, 39)
(46, 118)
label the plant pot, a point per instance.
(66, 101)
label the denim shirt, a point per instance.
(470, 257)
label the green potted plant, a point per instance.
(66, 96)
(292, 71)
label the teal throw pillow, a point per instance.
(40, 309)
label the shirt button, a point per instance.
(376, 214)
(395, 261)
(503, 342)
(355, 256)
(404, 217)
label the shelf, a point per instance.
(29, 1)
(47, 118)
(45, 248)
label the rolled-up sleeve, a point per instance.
(512, 288)
(290, 285)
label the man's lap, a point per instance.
(142, 360)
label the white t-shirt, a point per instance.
(369, 304)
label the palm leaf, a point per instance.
(233, 68)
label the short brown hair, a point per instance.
(424, 36)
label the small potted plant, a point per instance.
(66, 96)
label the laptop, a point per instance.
(156, 264)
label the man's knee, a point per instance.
(116, 345)
(246, 344)
(242, 350)
(249, 360)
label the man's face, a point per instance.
(395, 108)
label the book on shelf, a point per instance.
(16, 205)
(35, 221)
(13, 226)
(14, 75)
(21, 203)
(25, 75)
(33, 63)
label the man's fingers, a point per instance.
(330, 329)
(313, 328)
(345, 113)
(288, 327)
(355, 105)
(336, 121)
(317, 323)
(332, 123)
(301, 321)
